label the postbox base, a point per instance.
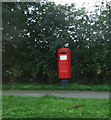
(64, 82)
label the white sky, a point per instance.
(88, 4)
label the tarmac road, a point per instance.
(58, 93)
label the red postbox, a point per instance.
(64, 64)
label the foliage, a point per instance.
(54, 107)
(31, 38)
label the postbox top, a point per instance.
(64, 49)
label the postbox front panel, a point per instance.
(64, 63)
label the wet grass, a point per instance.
(35, 86)
(54, 107)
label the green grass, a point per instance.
(53, 107)
(35, 86)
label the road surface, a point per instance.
(58, 93)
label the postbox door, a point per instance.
(63, 65)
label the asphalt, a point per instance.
(58, 93)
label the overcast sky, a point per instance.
(89, 4)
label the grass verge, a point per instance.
(54, 107)
(35, 86)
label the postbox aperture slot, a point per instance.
(63, 53)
